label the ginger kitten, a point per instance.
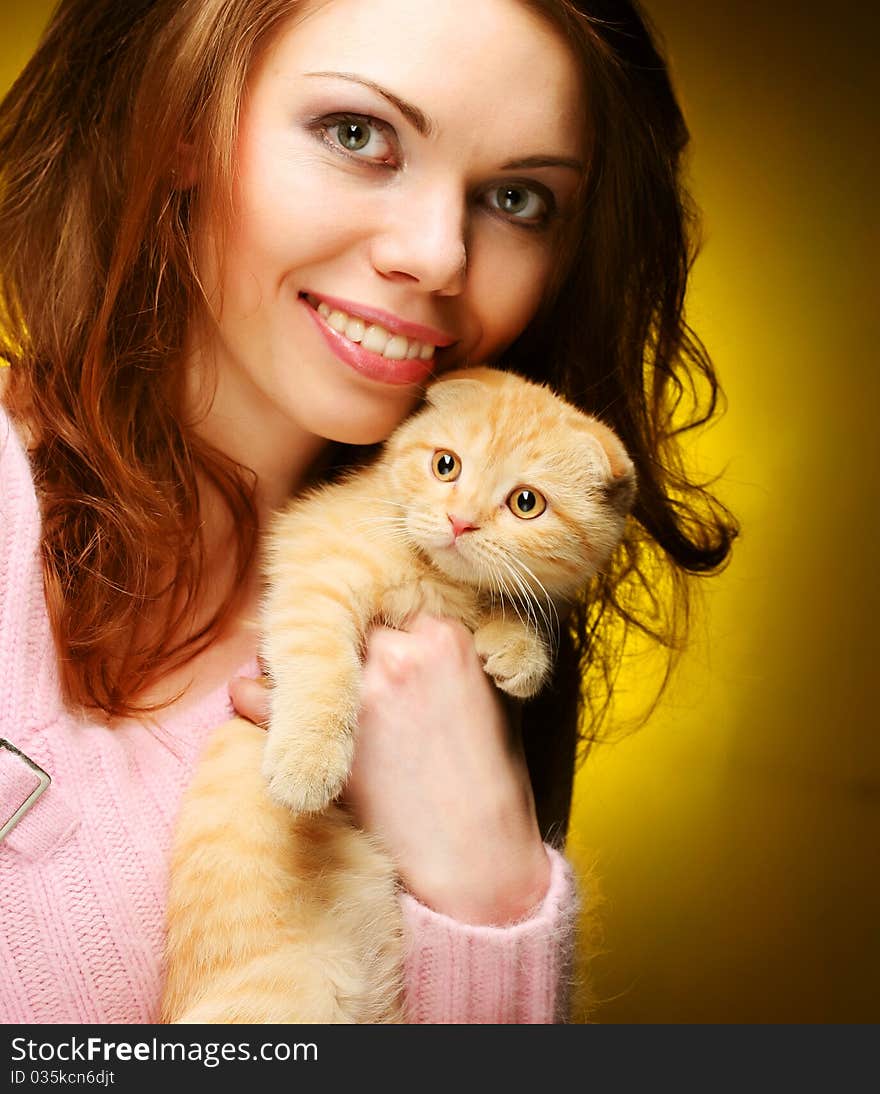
(494, 504)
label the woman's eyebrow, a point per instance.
(426, 127)
(420, 121)
(543, 161)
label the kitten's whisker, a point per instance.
(550, 602)
(503, 590)
(372, 514)
(393, 528)
(552, 627)
(479, 575)
(493, 570)
(378, 521)
(512, 597)
(492, 582)
(548, 630)
(525, 594)
(389, 503)
(496, 583)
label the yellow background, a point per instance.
(736, 835)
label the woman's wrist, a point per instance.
(503, 890)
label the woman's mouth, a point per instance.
(372, 336)
(369, 347)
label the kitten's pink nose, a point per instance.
(460, 525)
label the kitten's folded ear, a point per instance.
(451, 387)
(620, 488)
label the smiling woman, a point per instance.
(238, 239)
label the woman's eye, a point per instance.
(446, 465)
(357, 136)
(521, 203)
(526, 503)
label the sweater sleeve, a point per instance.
(29, 693)
(456, 973)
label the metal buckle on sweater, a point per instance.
(31, 800)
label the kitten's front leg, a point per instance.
(315, 613)
(514, 655)
(316, 673)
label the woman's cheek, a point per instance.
(507, 292)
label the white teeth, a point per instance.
(373, 337)
(396, 348)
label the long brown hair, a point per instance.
(98, 286)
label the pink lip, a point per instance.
(372, 365)
(390, 322)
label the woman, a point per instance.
(181, 184)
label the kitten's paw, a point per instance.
(307, 771)
(515, 657)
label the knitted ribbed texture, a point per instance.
(83, 876)
(462, 974)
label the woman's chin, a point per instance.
(360, 420)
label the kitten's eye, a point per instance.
(446, 465)
(526, 503)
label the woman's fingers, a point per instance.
(251, 699)
(436, 779)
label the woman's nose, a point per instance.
(423, 239)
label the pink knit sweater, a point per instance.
(83, 874)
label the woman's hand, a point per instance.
(439, 775)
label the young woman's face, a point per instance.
(404, 176)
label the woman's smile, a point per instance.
(370, 348)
